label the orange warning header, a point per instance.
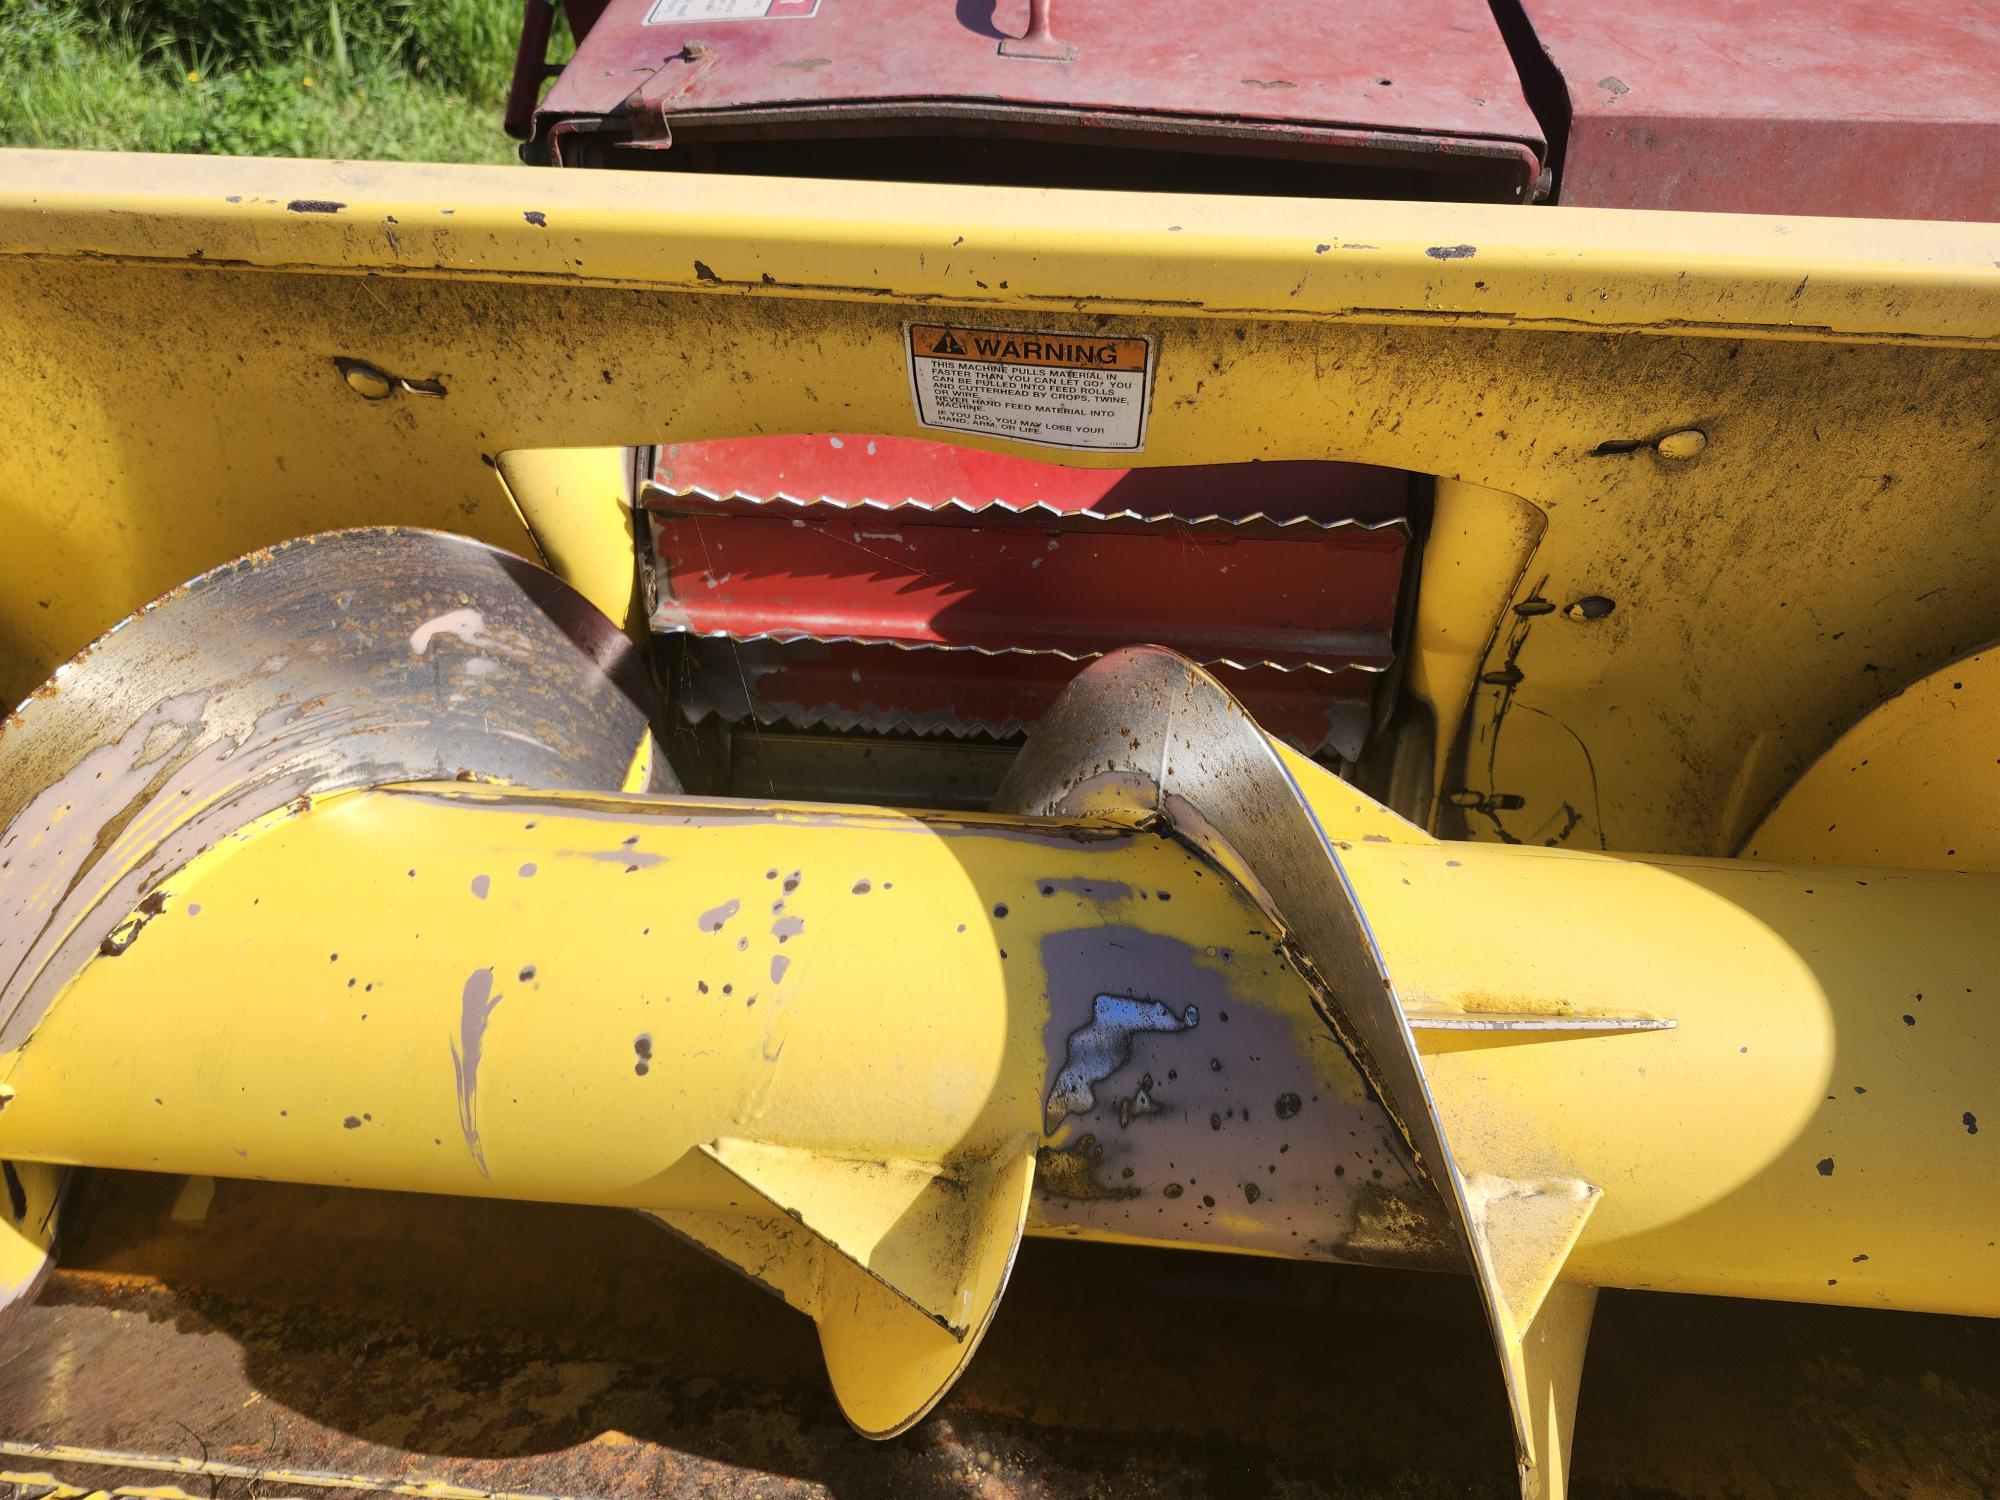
(1005, 346)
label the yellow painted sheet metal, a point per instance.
(1731, 274)
(1810, 1127)
(1915, 783)
(169, 331)
(591, 999)
(569, 999)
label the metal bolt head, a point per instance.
(367, 381)
(1683, 444)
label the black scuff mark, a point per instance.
(703, 273)
(536, 217)
(1070, 1172)
(1590, 765)
(1452, 252)
(314, 206)
(1508, 679)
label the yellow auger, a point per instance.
(408, 903)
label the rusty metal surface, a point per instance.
(336, 661)
(1399, 82)
(957, 692)
(416, 1339)
(1864, 108)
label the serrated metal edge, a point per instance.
(652, 492)
(830, 716)
(797, 637)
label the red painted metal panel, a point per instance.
(1305, 594)
(1431, 68)
(838, 581)
(1863, 108)
(854, 469)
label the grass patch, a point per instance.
(389, 80)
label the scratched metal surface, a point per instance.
(519, 1348)
(330, 662)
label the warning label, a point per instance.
(672, 12)
(1058, 388)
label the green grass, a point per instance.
(390, 80)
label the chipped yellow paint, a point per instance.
(1826, 546)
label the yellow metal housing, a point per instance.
(1545, 365)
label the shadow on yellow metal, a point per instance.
(1914, 783)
